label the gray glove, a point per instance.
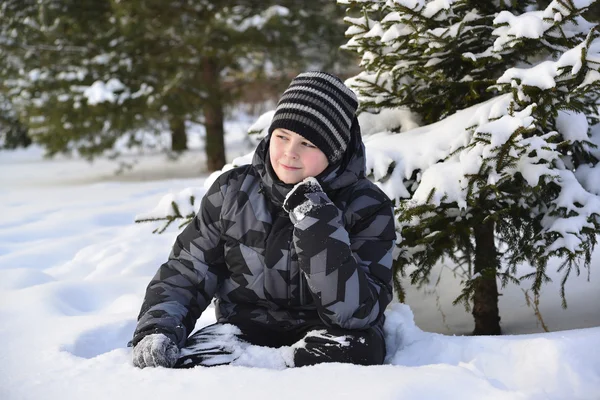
(155, 350)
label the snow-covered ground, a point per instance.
(73, 270)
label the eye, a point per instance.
(281, 137)
(309, 145)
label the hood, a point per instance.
(346, 172)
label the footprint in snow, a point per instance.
(102, 339)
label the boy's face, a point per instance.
(294, 158)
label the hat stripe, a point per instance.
(332, 80)
(296, 91)
(313, 112)
(343, 98)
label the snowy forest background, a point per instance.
(480, 119)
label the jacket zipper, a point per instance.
(301, 277)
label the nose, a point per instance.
(291, 151)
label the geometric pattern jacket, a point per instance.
(265, 266)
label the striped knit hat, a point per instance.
(319, 107)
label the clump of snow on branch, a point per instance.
(113, 91)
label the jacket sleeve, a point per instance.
(349, 273)
(184, 286)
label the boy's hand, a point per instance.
(301, 194)
(155, 350)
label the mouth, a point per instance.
(288, 168)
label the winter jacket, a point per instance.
(333, 266)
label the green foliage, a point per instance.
(57, 54)
(163, 62)
(425, 64)
(520, 163)
(13, 134)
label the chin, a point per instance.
(290, 181)
(287, 176)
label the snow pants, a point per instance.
(222, 344)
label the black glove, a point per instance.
(155, 350)
(306, 193)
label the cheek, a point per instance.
(273, 153)
(317, 163)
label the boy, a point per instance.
(295, 247)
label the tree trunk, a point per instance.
(485, 298)
(213, 117)
(178, 134)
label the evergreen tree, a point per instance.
(63, 84)
(514, 189)
(13, 133)
(111, 70)
(215, 50)
(416, 54)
